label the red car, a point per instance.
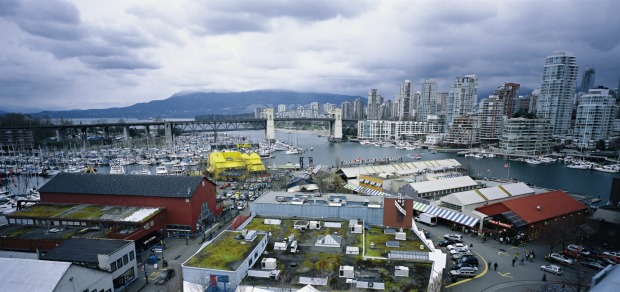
(571, 253)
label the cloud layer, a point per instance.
(83, 54)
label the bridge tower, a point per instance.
(335, 127)
(60, 134)
(168, 133)
(270, 129)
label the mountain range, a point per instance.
(192, 104)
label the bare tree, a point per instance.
(562, 231)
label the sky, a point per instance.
(60, 55)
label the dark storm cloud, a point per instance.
(232, 17)
(117, 62)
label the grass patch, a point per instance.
(20, 231)
(375, 235)
(223, 253)
(43, 211)
(88, 212)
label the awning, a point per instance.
(446, 214)
(365, 191)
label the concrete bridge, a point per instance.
(334, 119)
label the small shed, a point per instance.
(268, 264)
(301, 224)
(354, 250)
(315, 224)
(355, 226)
(280, 245)
(401, 271)
(294, 246)
(400, 236)
(250, 235)
(346, 272)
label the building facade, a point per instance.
(557, 91)
(587, 80)
(508, 93)
(595, 115)
(464, 132)
(380, 130)
(374, 102)
(526, 136)
(190, 202)
(462, 97)
(404, 101)
(491, 119)
(428, 100)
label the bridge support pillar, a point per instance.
(83, 137)
(168, 133)
(147, 131)
(106, 133)
(126, 133)
(60, 135)
(270, 128)
(335, 127)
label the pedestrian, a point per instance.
(513, 261)
(495, 266)
(501, 240)
(533, 254)
(522, 259)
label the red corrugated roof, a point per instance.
(493, 209)
(552, 204)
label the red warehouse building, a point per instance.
(190, 201)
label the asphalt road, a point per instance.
(526, 277)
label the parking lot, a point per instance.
(526, 276)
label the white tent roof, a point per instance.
(443, 184)
(30, 275)
(329, 240)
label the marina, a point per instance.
(22, 174)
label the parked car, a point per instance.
(458, 250)
(472, 260)
(457, 245)
(465, 272)
(608, 261)
(458, 255)
(612, 254)
(560, 258)
(460, 265)
(552, 269)
(446, 242)
(455, 237)
(571, 253)
(164, 277)
(592, 264)
(578, 249)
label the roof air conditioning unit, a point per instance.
(538, 208)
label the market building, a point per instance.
(190, 202)
(234, 165)
(527, 216)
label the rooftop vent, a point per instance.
(538, 208)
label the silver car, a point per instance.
(551, 269)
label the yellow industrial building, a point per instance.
(234, 165)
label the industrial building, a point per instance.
(190, 202)
(529, 215)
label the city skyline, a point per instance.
(60, 55)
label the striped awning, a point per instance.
(446, 214)
(365, 191)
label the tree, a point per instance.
(600, 144)
(562, 231)
(322, 181)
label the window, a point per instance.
(131, 255)
(125, 259)
(113, 266)
(119, 263)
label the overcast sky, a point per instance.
(57, 55)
